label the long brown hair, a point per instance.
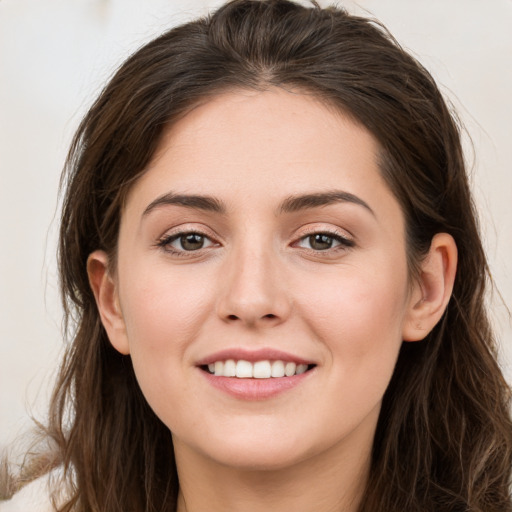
(444, 436)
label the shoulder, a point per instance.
(34, 497)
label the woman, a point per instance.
(270, 251)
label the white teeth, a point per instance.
(258, 370)
(262, 370)
(277, 369)
(289, 369)
(301, 368)
(229, 368)
(243, 369)
(219, 367)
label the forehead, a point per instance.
(245, 145)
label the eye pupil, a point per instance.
(320, 241)
(192, 241)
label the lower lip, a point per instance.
(255, 389)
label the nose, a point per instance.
(253, 290)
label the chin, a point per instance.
(256, 458)
(262, 449)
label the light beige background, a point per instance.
(56, 54)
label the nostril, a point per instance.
(269, 316)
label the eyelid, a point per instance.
(333, 231)
(173, 238)
(170, 235)
(189, 227)
(346, 241)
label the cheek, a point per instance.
(358, 314)
(163, 312)
(359, 320)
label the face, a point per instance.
(263, 245)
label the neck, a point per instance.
(332, 481)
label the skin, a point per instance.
(259, 282)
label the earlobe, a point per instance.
(105, 292)
(433, 289)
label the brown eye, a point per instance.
(320, 241)
(191, 241)
(325, 241)
(185, 242)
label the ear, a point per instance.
(433, 288)
(105, 292)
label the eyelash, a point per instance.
(345, 243)
(165, 243)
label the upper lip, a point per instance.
(252, 356)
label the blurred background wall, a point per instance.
(55, 55)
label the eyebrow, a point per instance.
(199, 202)
(304, 202)
(289, 205)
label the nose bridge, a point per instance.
(253, 290)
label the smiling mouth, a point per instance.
(264, 369)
